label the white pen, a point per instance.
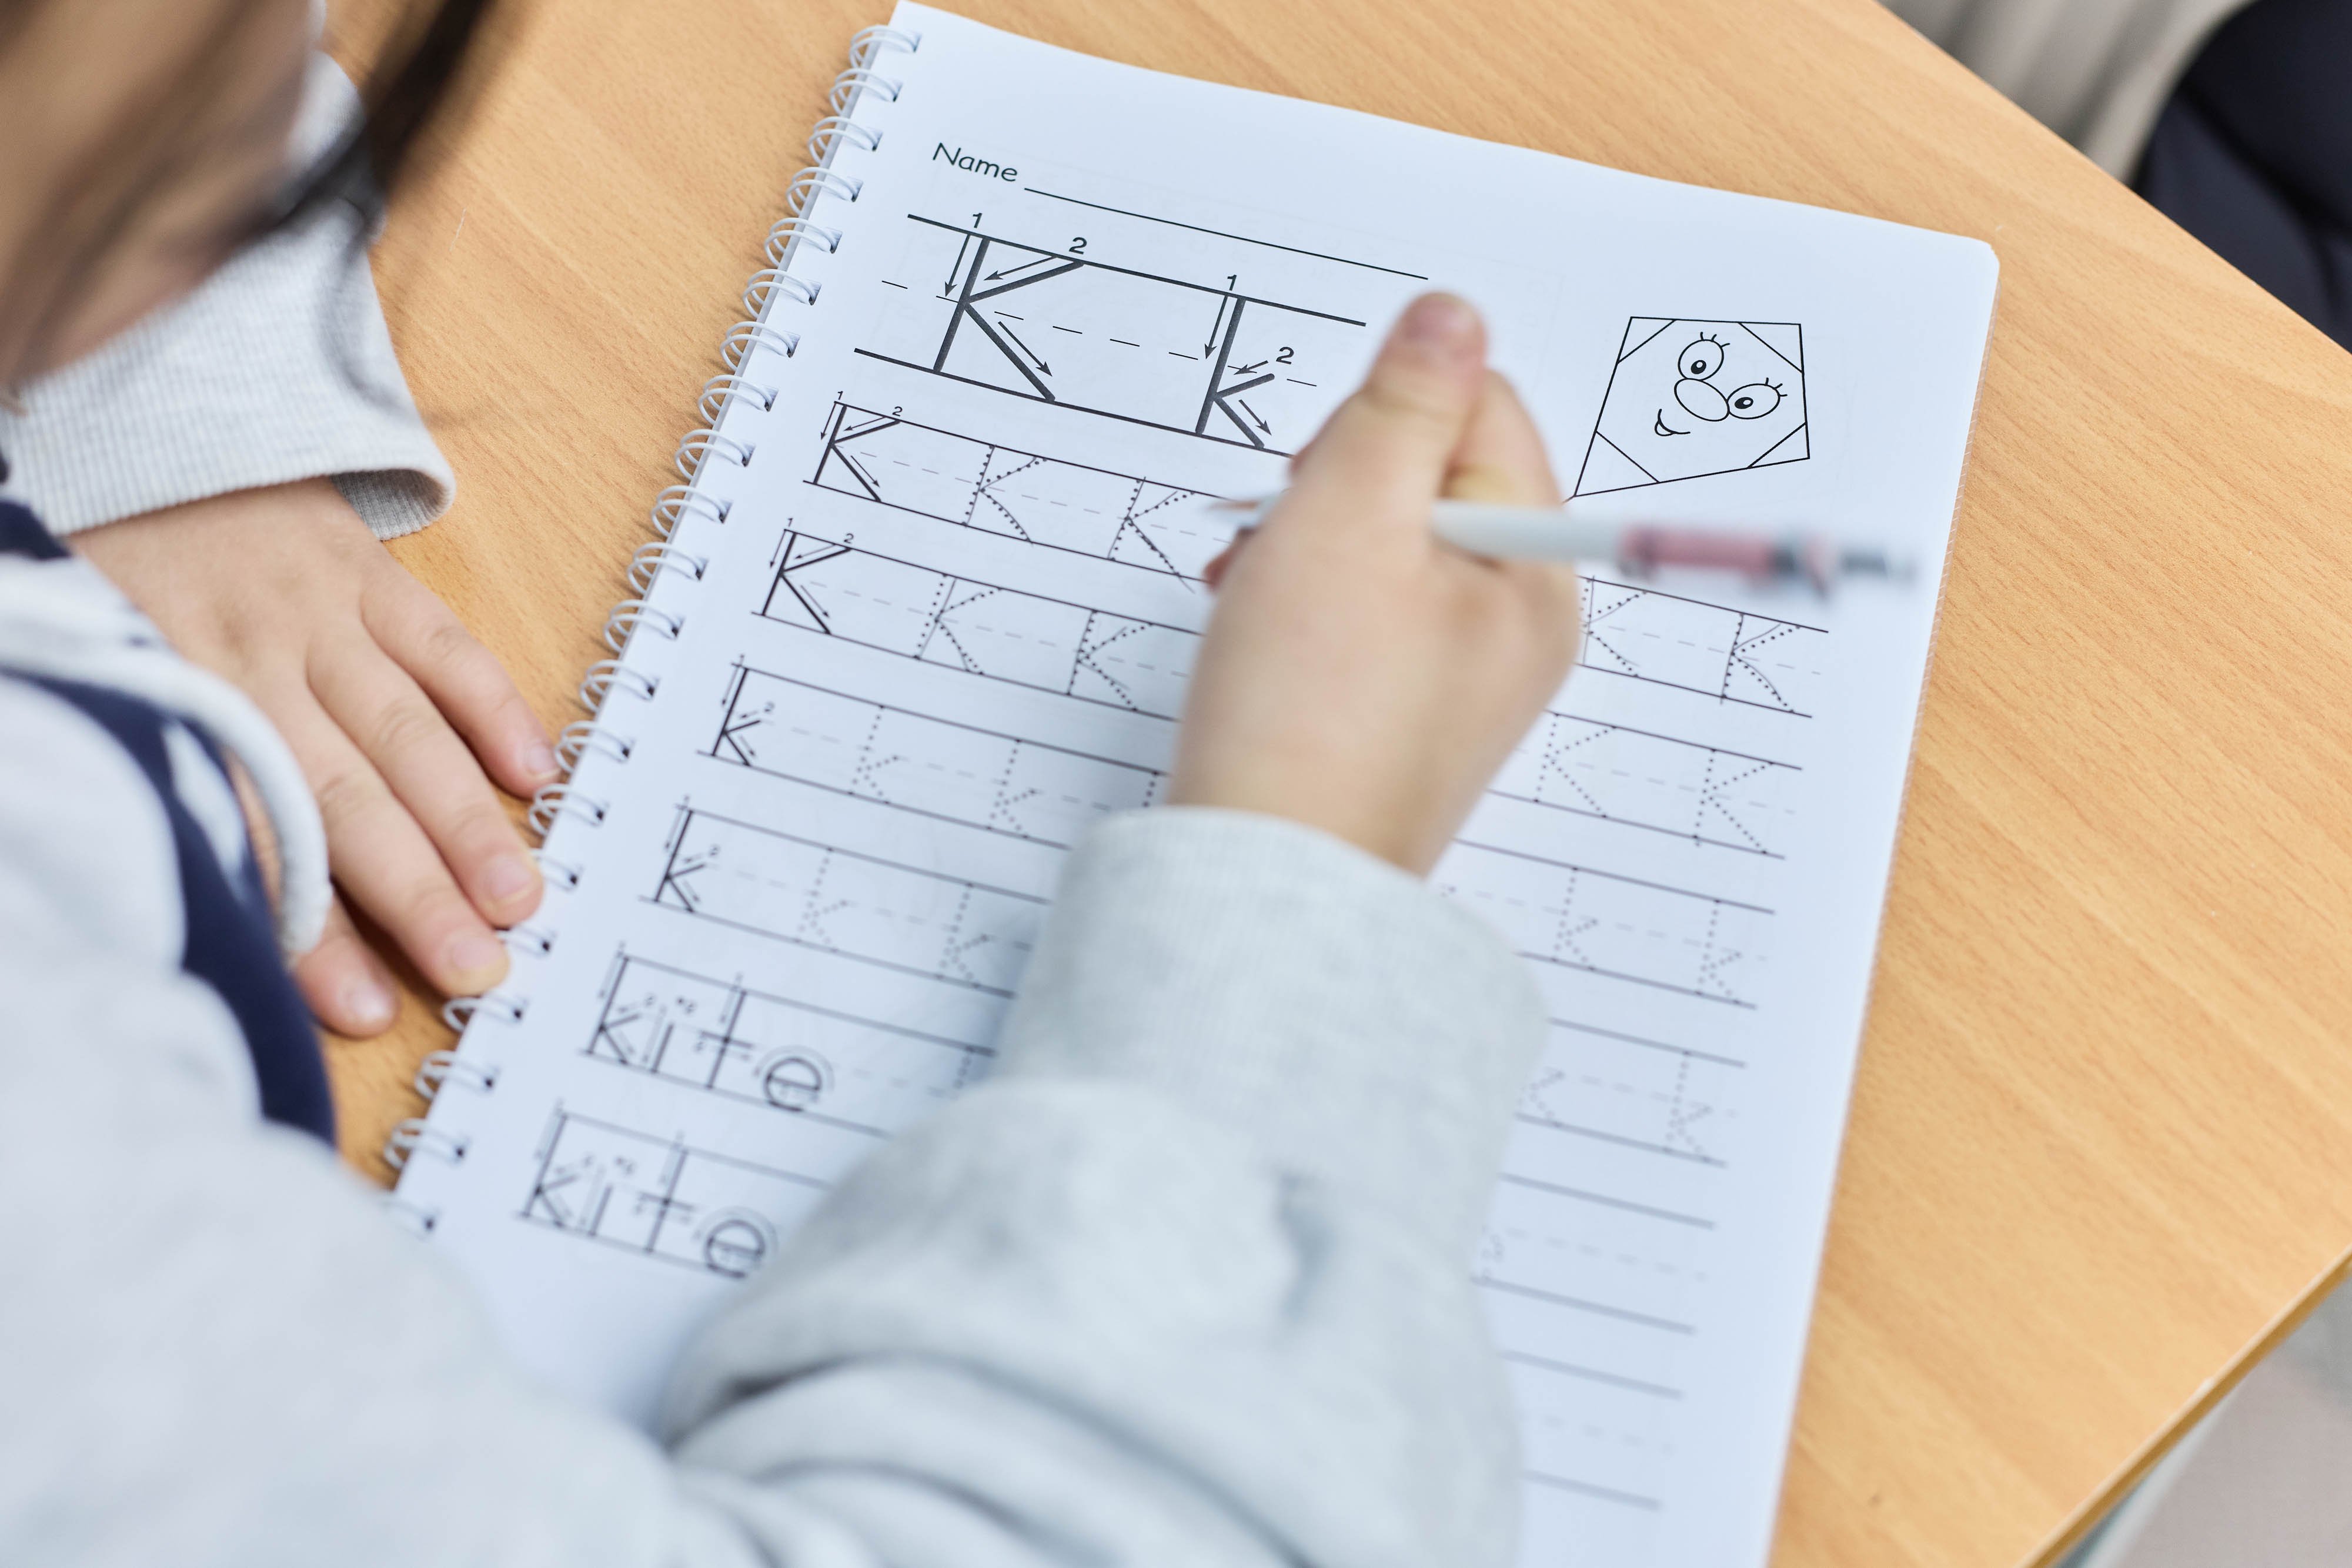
(1551, 533)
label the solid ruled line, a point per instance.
(1624, 1314)
(1586, 1488)
(1591, 1373)
(1626, 1204)
(1172, 223)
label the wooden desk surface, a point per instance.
(2102, 1144)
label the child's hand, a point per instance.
(372, 682)
(1359, 676)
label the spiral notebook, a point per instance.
(923, 609)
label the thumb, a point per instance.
(1384, 453)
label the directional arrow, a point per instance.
(1024, 267)
(1244, 370)
(948, 287)
(1211, 346)
(1043, 368)
(1253, 414)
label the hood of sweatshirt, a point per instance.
(62, 620)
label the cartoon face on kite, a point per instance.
(1692, 398)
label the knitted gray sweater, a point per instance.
(1185, 1285)
(1186, 1282)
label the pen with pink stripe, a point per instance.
(1552, 533)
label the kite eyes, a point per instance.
(1753, 401)
(1702, 359)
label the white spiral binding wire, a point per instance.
(676, 502)
(745, 336)
(535, 940)
(435, 1072)
(441, 1068)
(810, 183)
(417, 1136)
(719, 390)
(787, 230)
(719, 396)
(652, 560)
(630, 613)
(868, 42)
(582, 735)
(700, 446)
(605, 674)
(459, 1011)
(420, 1221)
(856, 80)
(563, 801)
(768, 282)
(832, 130)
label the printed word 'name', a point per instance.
(973, 164)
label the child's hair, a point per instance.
(411, 86)
(417, 77)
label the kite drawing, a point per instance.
(1691, 398)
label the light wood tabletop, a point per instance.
(2101, 1149)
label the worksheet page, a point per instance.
(932, 596)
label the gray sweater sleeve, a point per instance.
(1187, 1279)
(1185, 1282)
(279, 368)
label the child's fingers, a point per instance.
(1384, 453)
(1502, 460)
(428, 770)
(347, 987)
(463, 679)
(1501, 456)
(383, 861)
(1214, 574)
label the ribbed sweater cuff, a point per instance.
(279, 368)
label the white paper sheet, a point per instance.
(945, 622)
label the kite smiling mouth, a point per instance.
(1658, 424)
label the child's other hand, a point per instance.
(372, 682)
(1359, 676)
